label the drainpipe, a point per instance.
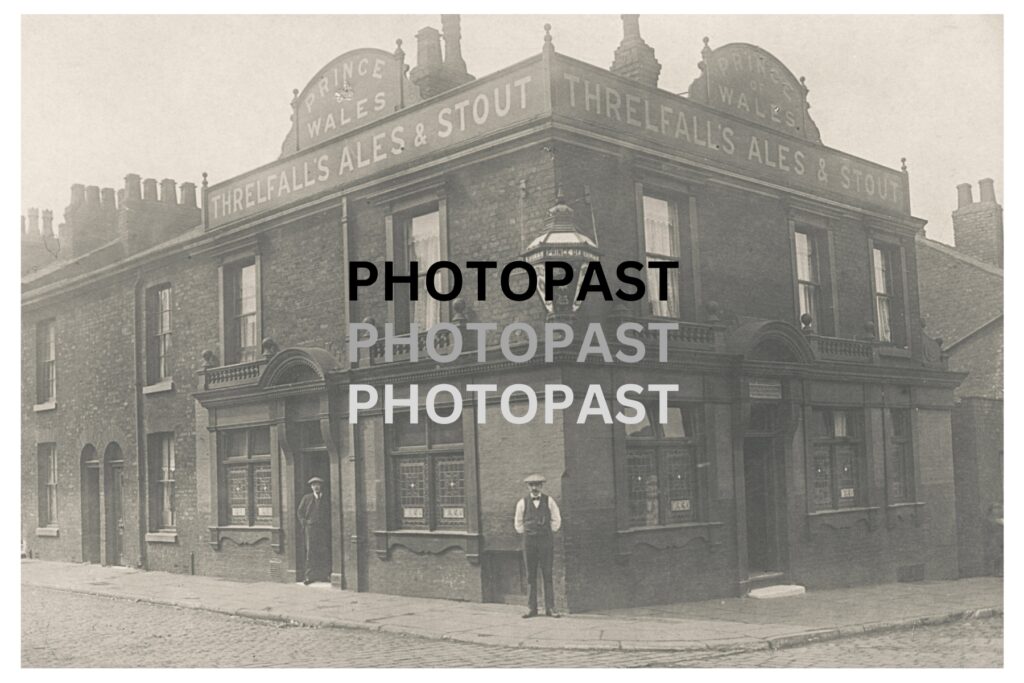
(140, 431)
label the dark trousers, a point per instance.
(539, 552)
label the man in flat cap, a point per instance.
(315, 517)
(537, 520)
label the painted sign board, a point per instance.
(352, 90)
(626, 110)
(505, 99)
(768, 389)
(751, 83)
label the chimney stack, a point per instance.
(634, 58)
(188, 195)
(107, 200)
(433, 75)
(978, 226)
(47, 223)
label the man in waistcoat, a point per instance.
(537, 520)
(315, 516)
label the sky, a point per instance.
(173, 96)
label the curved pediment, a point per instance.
(298, 365)
(773, 341)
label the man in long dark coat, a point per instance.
(315, 517)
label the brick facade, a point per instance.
(741, 328)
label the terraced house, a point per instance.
(185, 355)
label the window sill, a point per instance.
(51, 531)
(43, 407)
(246, 536)
(426, 542)
(842, 511)
(162, 537)
(160, 387)
(905, 505)
(893, 351)
(668, 537)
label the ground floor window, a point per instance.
(47, 477)
(246, 477)
(427, 472)
(663, 466)
(899, 456)
(162, 467)
(837, 458)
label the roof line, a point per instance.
(973, 332)
(956, 253)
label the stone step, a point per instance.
(776, 591)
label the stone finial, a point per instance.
(806, 323)
(903, 164)
(209, 359)
(459, 313)
(399, 52)
(269, 348)
(714, 311)
(548, 42)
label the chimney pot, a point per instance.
(188, 195)
(107, 199)
(33, 221)
(132, 187)
(149, 190)
(77, 194)
(92, 195)
(47, 223)
(451, 26)
(963, 195)
(428, 49)
(987, 191)
(168, 191)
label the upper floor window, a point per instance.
(661, 243)
(427, 465)
(417, 237)
(241, 311)
(838, 461)
(899, 456)
(663, 464)
(158, 333)
(887, 285)
(162, 467)
(807, 274)
(47, 477)
(245, 477)
(46, 361)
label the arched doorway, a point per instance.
(113, 488)
(91, 538)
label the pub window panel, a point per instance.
(46, 361)
(838, 464)
(241, 312)
(158, 333)
(417, 237)
(428, 474)
(46, 458)
(900, 457)
(887, 280)
(661, 243)
(808, 276)
(663, 484)
(246, 477)
(162, 468)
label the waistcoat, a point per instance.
(537, 520)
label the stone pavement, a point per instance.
(734, 624)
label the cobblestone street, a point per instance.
(63, 629)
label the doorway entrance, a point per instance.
(312, 460)
(764, 488)
(91, 542)
(113, 487)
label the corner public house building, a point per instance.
(185, 363)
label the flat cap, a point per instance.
(315, 479)
(535, 478)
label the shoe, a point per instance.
(553, 614)
(529, 614)
(306, 582)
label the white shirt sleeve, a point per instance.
(556, 515)
(520, 510)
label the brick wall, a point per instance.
(978, 462)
